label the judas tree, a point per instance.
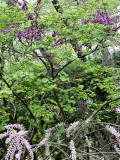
(39, 44)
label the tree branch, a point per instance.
(82, 56)
(57, 6)
(63, 68)
(77, 2)
(15, 94)
(95, 113)
(61, 109)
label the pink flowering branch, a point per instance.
(17, 141)
(117, 110)
(44, 141)
(117, 135)
(73, 150)
(72, 126)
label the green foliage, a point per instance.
(37, 90)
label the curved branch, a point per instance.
(95, 113)
(61, 109)
(57, 6)
(16, 95)
(63, 68)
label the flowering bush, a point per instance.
(40, 95)
(115, 133)
(17, 139)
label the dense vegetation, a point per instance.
(59, 79)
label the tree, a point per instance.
(56, 66)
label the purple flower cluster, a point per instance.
(98, 17)
(33, 32)
(17, 2)
(49, 56)
(102, 18)
(87, 21)
(58, 42)
(78, 48)
(39, 2)
(24, 6)
(29, 17)
(30, 34)
(54, 34)
(7, 30)
(36, 9)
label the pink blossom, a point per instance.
(117, 110)
(112, 130)
(87, 141)
(3, 135)
(43, 142)
(117, 149)
(117, 135)
(16, 140)
(72, 126)
(73, 151)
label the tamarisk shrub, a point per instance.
(73, 151)
(17, 140)
(115, 133)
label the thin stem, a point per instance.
(61, 109)
(63, 68)
(15, 94)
